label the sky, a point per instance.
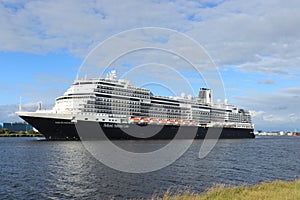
(254, 45)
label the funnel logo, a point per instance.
(161, 59)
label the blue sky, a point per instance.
(255, 45)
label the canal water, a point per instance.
(31, 168)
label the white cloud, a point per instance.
(274, 118)
(237, 31)
(273, 111)
(266, 82)
(8, 112)
(233, 31)
(257, 113)
(293, 90)
(269, 66)
(294, 117)
(79, 25)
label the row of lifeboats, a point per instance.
(144, 120)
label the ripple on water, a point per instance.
(32, 169)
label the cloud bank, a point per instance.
(245, 37)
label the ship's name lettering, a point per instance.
(115, 126)
(64, 123)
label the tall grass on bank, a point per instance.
(277, 190)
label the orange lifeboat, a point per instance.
(154, 121)
(171, 121)
(145, 120)
(163, 121)
(134, 119)
(179, 121)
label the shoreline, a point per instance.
(20, 134)
(266, 190)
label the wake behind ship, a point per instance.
(113, 109)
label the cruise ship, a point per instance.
(112, 108)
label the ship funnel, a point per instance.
(205, 96)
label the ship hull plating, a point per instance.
(61, 129)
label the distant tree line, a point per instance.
(30, 133)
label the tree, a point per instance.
(31, 132)
(5, 131)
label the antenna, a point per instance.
(112, 75)
(20, 105)
(39, 105)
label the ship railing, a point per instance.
(231, 125)
(146, 120)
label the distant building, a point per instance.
(18, 126)
(1, 126)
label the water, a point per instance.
(33, 169)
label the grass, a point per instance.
(277, 190)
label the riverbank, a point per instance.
(273, 190)
(20, 134)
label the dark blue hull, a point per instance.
(60, 129)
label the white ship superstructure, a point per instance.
(112, 100)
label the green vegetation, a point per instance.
(6, 133)
(264, 191)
